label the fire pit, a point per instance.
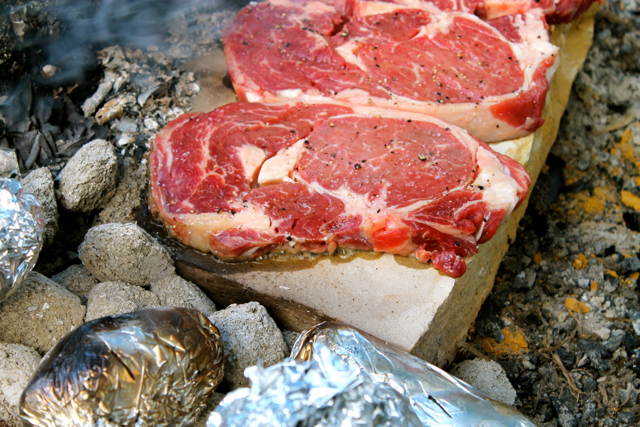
(563, 318)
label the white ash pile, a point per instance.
(562, 319)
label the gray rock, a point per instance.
(488, 377)
(77, 279)
(8, 163)
(177, 292)
(124, 252)
(89, 178)
(248, 334)
(40, 184)
(108, 298)
(17, 364)
(39, 313)
(124, 205)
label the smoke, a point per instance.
(66, 33)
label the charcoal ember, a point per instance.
(9, 166)
(124, 206)
(114, 108)
(177, 292)
(40, 184)
(110, 298)
(597, 354)
(76, 279)
(17, 365)
(488, 377)
(152, 367)
(630, 265)
(91, 104)
(21, 235)
(39, 313)
(89, 178)
(249, 335)
(124, 252)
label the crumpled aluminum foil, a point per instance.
(321, 392)
(437, 398)
(154, 367)
(21, 235)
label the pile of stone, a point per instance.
(123, 269)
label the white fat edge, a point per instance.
(201, 226)
(497, 9)
(289, 93)
(440, 23)
(251, 158)
(535, 46)
(346, 52)
(368, 8)
(253, 97)
(500, 189)
(277, 168)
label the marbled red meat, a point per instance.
(249, 179)
(490, 78)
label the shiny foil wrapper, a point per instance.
(154, 367)
(21, 235)
(437, 398)
(322, 392)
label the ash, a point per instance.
(563, 319)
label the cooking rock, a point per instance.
(248, 334)
(124, 252)
(126, 202)
(39, 313)
(177, 292)
(40, 184)
(89, 178)
(109, 298)
(487, 376)
(155, 367)
(17, 364)
(77, 279)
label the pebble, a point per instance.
(39, 313)
(249, 335)
(109, 298)
(77, 279)
(177, 292)
(488, 377)
(8, 163)
(40, 184)
(17, 364)
(124, 252)
(89, 178)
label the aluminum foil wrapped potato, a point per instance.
(322, 392)
(154, 367)
(21, 235)
(436, 397)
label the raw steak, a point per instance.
(555, 11)
(488, 78)
(248, 179)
